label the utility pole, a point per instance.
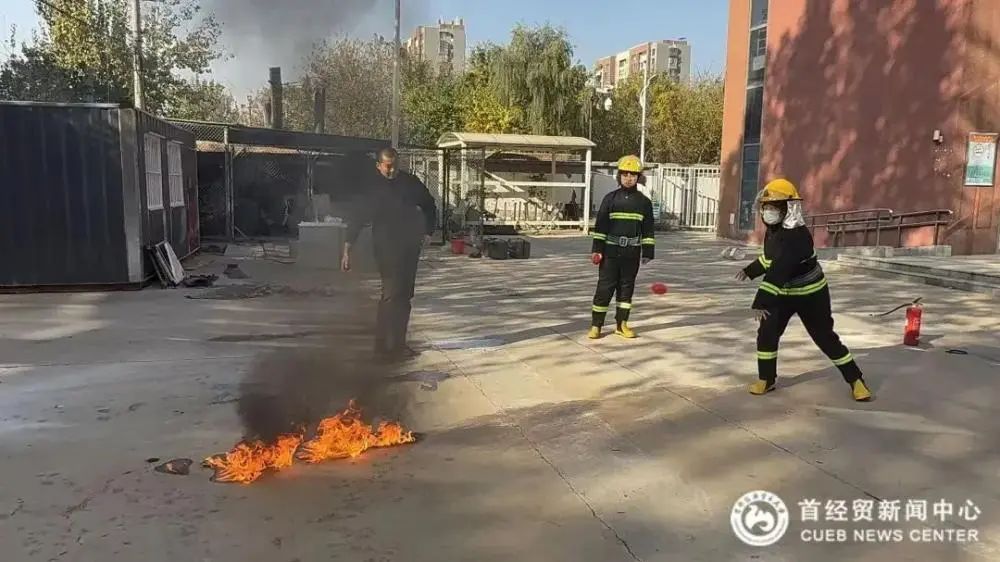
(137, 55)
(395, 84)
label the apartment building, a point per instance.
(672, 57)
(442, 45)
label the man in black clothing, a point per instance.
(793, 284)
(403, 216)
(623, 238)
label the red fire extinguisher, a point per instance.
(914, 313)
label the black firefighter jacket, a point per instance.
(789, 265)
(625, 220)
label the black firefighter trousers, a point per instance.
(616, 274)
(397, 266)
(817, 317)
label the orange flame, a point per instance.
(346, 435)
(248, 460)
(341, 436)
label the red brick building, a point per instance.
(864, 104)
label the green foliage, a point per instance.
(686, 122)
(530, 85)
(85, 53)
(204, 100)
(683, 122)
(536, 72)
(429, 104)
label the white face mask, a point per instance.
(771, 216)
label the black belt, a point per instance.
(624, 241)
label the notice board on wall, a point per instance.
(981, 159)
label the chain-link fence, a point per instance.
(428, 166)
(686, 196)
(462, 190)
(258, 183)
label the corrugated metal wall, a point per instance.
(74, 207)
(61, 207)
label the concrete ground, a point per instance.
(536, 443)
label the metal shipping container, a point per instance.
(85, 188)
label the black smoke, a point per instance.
(292, 389)
(262, 33)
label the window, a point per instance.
(748, 185)
(758, 13)
(758, 56)
(753, 115)
(175, 169)
(154, 172)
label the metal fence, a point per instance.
(686, 196)
(463, 187)
(428, 166)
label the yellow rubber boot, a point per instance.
(624, 331)
(860, 391)
(761, 387)
(594, 333)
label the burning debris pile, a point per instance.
(344, 435)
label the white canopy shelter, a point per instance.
(552, 145)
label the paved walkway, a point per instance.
(537, 443)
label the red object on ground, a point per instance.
(458, 246)
(659, 288)
(596, 258)
(914, 314)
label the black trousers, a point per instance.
(397, 267)
(616, 274)
(817, 317)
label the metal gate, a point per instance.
(686, 196)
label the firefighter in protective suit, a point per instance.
(623, 239)
(793, 284)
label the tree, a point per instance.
(616, 132)
(686, 122)
(481, 111)
(204, 100)
(84, 53)
(536, 72)
(357, 77)
(429, 105)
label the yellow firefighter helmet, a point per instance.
(779, 190)
(630, 163)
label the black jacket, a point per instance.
(789, 265)
(401, 210)
(625, 212)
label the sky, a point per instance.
(596, 28)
